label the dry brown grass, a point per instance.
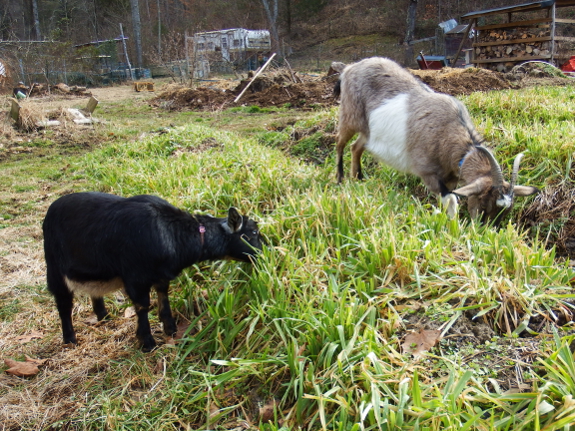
(60, 391)
(7, 131)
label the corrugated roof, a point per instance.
(520, 8)
(461, 28)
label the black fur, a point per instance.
(103, 242)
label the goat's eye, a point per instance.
(255, 232)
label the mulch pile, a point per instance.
(276, 88)
(285, 88)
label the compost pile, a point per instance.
(285, 88)
(275, 88)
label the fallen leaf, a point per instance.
(130, 312)
(35, 361)
(21, 369)
(214, 413)
(160, 366)
(267, 411)
(91, 320)
(182, 328)
(420, 342)
(28, 337)
(170, 341)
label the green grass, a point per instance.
(315, 329)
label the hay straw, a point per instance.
(30, 116)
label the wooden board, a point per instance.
(144, 86)
(513, 41)
(512, 59)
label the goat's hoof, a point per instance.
(170, 330)
(70, 340)
(148, 344)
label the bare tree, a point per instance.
(272, 14)
(410, 31)
(137, 27)
(36, 19)
(173, 57)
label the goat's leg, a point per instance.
(64, 302)
(343, 137)
(357, 149)
(448, 199)
(99, 307)
(140, 296)
(164, 310)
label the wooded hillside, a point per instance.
(154, 29)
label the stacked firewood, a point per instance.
(518, 46)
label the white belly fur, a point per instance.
(96, 289)
(388, 133)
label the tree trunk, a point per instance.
(272, 15)
(137, 26)
(35, 15)
(288, 16)
(409, 33)
(159, 30)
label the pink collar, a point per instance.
(202, 230)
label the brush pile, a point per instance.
(554, 208)
(286, 88)
(280, 87)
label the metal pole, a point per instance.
(254, 78)
(552, 34)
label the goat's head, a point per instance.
(490, 197)
(243, 236)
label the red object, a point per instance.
(432, 62)
(569, 66)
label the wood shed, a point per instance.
(507, 36)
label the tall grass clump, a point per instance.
(537, 121)
(312, 336)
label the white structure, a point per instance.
(3, 74)
(232, 43)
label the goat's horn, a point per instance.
(514, 174)
(496, 173)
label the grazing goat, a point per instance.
(411, 128)
(98, 243)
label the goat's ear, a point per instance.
(235, 220)
(525, 190)
(474, 188)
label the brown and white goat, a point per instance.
(408, 126)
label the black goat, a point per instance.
(97, 243)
